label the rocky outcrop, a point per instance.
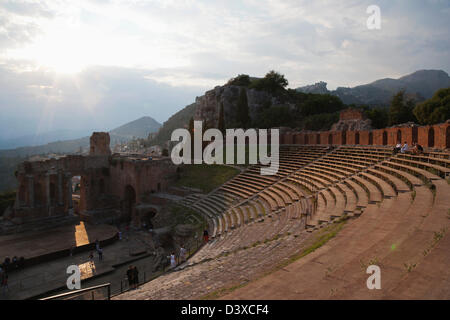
(208, 105)
(318, 87)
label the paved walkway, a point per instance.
(35, 280)
(32, 244)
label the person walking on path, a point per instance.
(91, 258)
(100, 254)
(136, 277)
(173, 261)
(127, 231)
(130, 277)
(205, 235)
(4, 280)
(182, 254)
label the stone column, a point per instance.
(17, 202)
(47, 188)
(31, 191)
(69, 191)
(60, 189)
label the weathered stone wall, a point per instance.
(99, 144)
(352, 120)
(351, 114)
(45, 187)
(435, 136)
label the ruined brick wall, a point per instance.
(351, 114)
(99, 144)
(435, 136)
(442, 135)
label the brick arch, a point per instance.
(101, 186)
(22, 193)
(371, 138)
(318, 138)
(344, 137)
(330, 138)
(399, 136)
(357, 138)
(431, 137)
(385, 138)
(129, 202)
(39, 194)
(415, 134)
(447, 137)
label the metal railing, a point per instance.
(147, 274)
(85, 294)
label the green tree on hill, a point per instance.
(400, 111)
(379, 117)
(221, 123)
(272, 82)
(279, 116)
(241, 80)
(243, 116)
(434, 110)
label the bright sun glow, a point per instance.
(69, 47)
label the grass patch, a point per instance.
(221, 292)
(437, 236)
(413, 195)
(7, 199)
(409, 267)
(180, 215)
(322, 238)
(205, 177)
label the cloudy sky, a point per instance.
(96, 64)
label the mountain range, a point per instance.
(139, 128)
(419, 85)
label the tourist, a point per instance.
(404, 149)
(21, 262)
(72, 248)
(173, 261)
(120, 235)
(397, 148)
(6, 263)
(130, 277)
(100, 254)
(182, 254)
(205, 235)
(135, 277)
(91, 257)
(127, 230)
(14, 262)
(4, 280)
(97, 245)
(417, 149)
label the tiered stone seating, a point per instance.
(400, 201)
(223, 207)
